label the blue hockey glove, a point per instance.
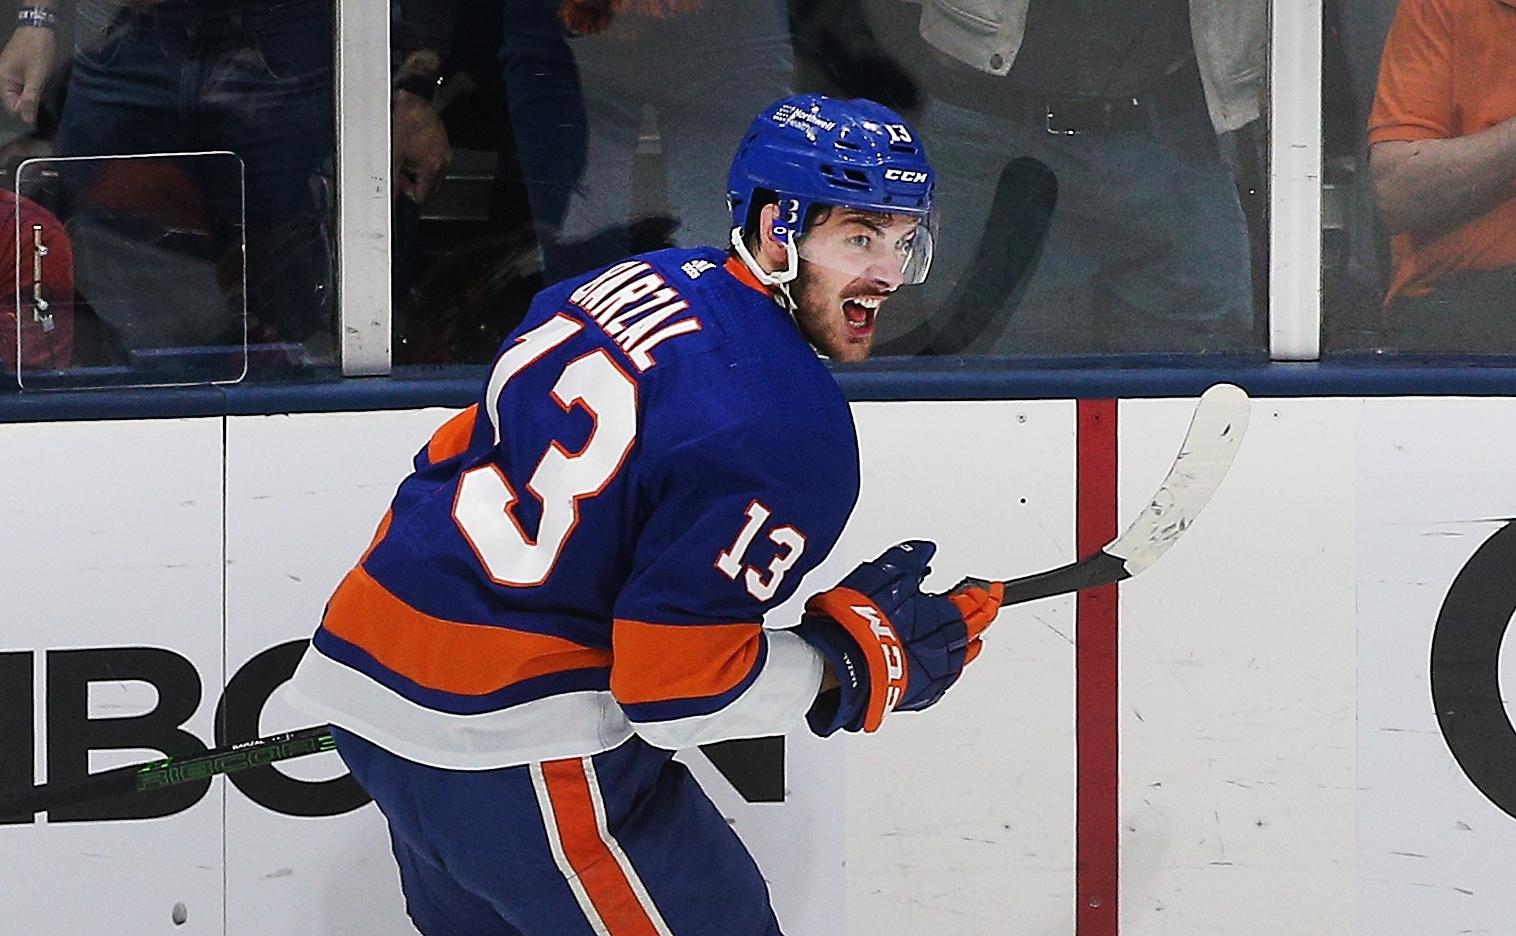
(891, 645)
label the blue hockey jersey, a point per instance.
(657, 458)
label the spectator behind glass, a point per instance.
(1124, 100)
(1442, 138)
(420, 152)
(164, 76)
(465, 259)
(581, 73)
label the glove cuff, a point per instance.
(839, 709)
(881, 680)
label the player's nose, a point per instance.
(886, 276)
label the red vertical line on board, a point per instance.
(1096, 829)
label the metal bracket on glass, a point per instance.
(40, 305)
(1058, 129)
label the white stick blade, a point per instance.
(1216, 431)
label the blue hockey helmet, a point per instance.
(813, 150)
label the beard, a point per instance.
(818, 315)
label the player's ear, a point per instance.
(770, 248)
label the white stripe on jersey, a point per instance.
(571, 724)
(774, 704)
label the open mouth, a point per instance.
(859, 312)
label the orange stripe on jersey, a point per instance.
(589, 855)
(450, 656)
(379, 534)
(658, 662)
(451, 438)
(743, 275)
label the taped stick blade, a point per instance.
(1205, 456)
(1210, 445)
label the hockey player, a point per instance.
(570, 584)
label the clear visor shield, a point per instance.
(884, 250)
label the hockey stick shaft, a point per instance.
(170, 771)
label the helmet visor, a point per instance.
(891, 249)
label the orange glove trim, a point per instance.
(871, 629)
(979, 606)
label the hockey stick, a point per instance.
(169, 771)
(1216, 431)
(1021, 210)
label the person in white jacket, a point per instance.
(1131, 103)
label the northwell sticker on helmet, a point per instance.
(811, 150)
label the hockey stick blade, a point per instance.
(1021, 209)
(1014, 234)
(168, 771)
(1215, 433)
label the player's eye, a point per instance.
(861, 241)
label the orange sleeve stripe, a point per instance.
(451, 438)
(449, 656)
(659, 662)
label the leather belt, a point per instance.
(1064, 116)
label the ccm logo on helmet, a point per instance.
(904, 175)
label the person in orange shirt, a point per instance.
(1442, 138)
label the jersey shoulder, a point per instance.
(646, 306)
(757, 373)
(688, 316)
(712, 353)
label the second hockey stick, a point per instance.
(1021, 209)
(169, 771)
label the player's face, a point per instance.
(851, 261)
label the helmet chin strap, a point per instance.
(780, 280)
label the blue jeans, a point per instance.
(577, 110)
(256, 82)
(1147, 249)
